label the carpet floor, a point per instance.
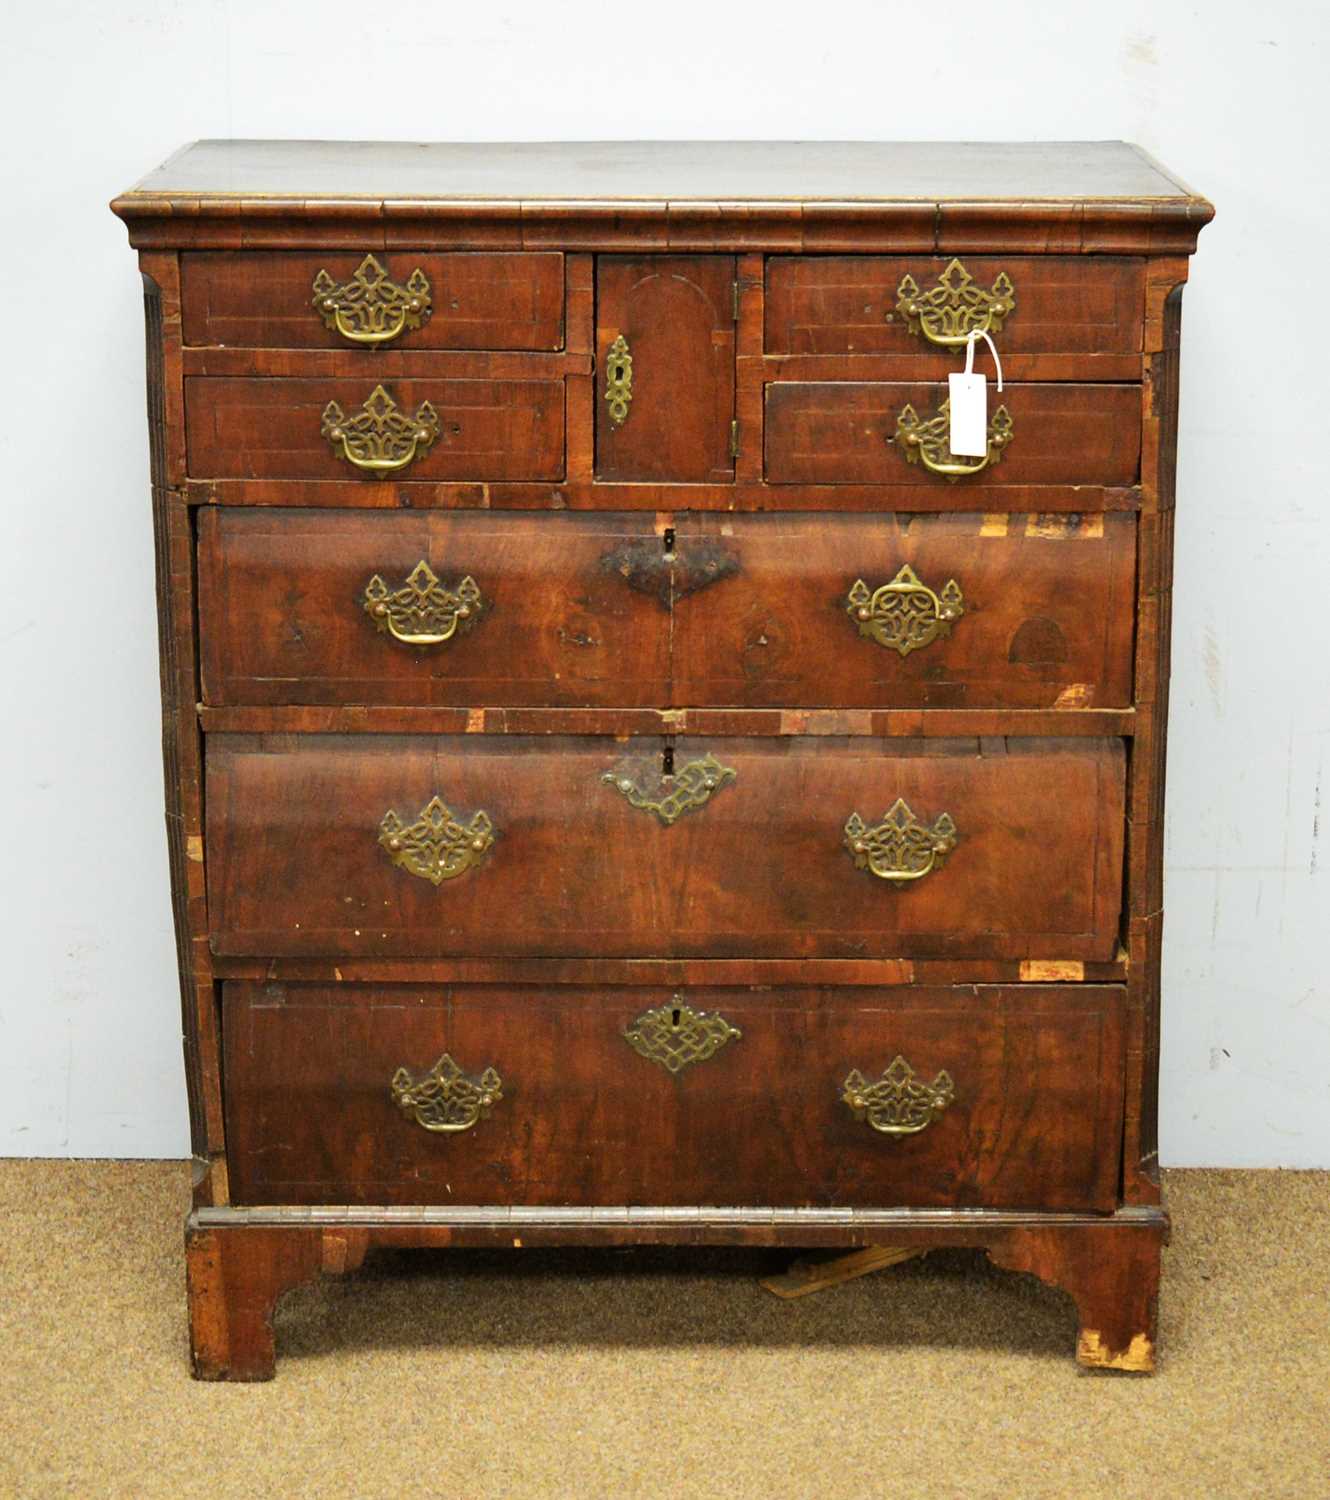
(657, 1372)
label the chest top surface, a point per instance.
(1101, 197)
(698, 171)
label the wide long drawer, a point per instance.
(344, 299)
(392, 846)
(970, 1097)
(466, 608)
(404, 430)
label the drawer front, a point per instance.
(1003, 1097)
(400, 299)
(1072, 315)
(887, 611)
(858, 432)
(447, 608)
(402, 430)
(309, 606)
(396, 846)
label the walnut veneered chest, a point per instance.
(629, 779)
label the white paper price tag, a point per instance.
(969, 416)
(969, 403)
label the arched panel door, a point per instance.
(665, 367)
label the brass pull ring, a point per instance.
(619, 380)
(379, 438)
(905, 614)
(369, 307)
(445, 1099)
(437, 846)
(954, 308)
(422, 612)
(900, 847)
(900, 1102)
(929, 442)
(688, 788)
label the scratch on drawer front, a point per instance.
(1046, 970)
(1059, 528)
(1075, 695)
(194, 848)
(994, 525)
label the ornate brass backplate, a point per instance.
(618, 380)
(900, 1102)
(676, 1035)
(929, 442)
(904, 614)
(688, 788)
(949, 311)
(900, 847)
(437, 846)
(369, 307)
(445, 1098)
(422, 612)
(379, 438)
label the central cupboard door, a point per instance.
(665, 367)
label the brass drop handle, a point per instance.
(954, 307)
(369, 307)
(446, 1099)
(422, 612)
(437, 846)
(900, 1102)
(379, 438)
(905, 614)
(900, 848)
(618, 380)
(679, 792)
(929, 442)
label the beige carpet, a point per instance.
(657, 1373)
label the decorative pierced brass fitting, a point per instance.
(445, 1098)
(369, 307)
(954, 307)
(422, 612)
(437, 847)
(900, 1102)
(690, 787)
(618, 380)
(380, 439)
(929, 442)
(900, 847)
(676, 1035)
(904, 614)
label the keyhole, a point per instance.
(674, 1019)
(669, 541)
(667, 761)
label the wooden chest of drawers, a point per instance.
(628, 779)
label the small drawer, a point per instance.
(924, 611)
(988, 1097)
(453, 608)
(526, 846)
(399, 299)
(359, 430)
(1052, 317)
(888, 433)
